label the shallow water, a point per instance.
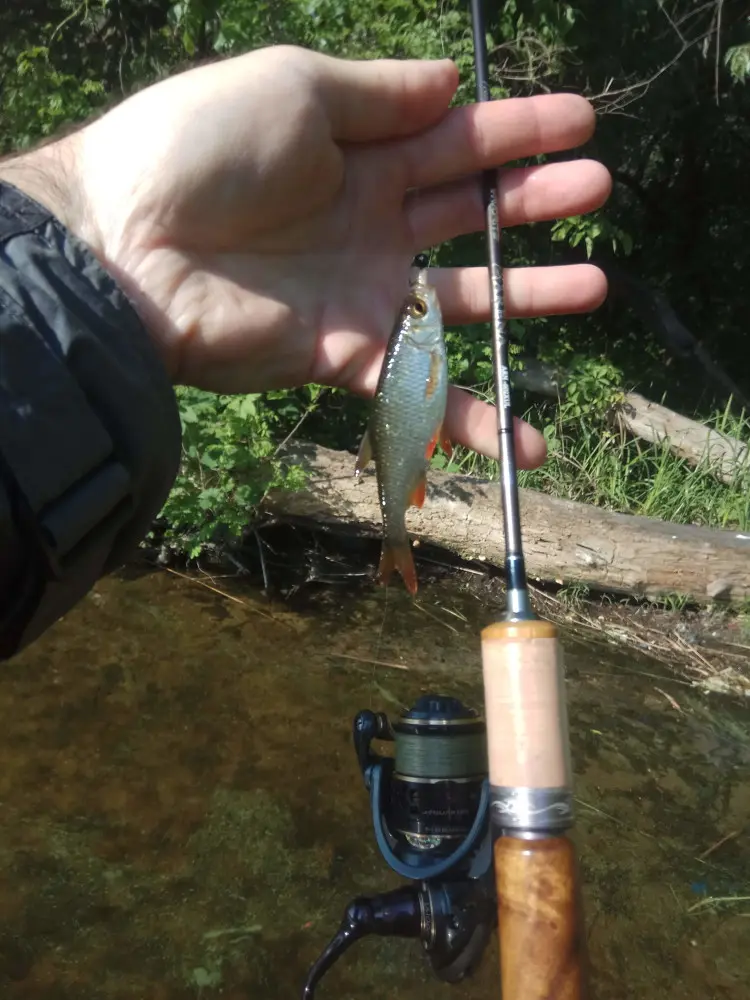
(183, 815)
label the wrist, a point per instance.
(51, 174)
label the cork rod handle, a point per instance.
(540, 923)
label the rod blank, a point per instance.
(518, 601)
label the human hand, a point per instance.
(263, 211)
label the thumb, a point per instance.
(384, 98)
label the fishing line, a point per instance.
(382, 623)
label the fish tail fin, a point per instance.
(397, 557)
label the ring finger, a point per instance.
(526, 194)
(464, 292)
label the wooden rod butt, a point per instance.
(540, 920)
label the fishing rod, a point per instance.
(540, 920)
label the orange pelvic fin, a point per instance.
(441, 438)
(397, 558)
(365, 454)
(432, 445)
(416, 498)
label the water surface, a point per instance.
(183, 816)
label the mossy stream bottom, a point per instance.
(183, 817)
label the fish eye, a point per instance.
(417, 308)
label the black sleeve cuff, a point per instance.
(89, 427)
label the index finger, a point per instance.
(483, 136)
(368, 100)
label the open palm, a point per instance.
(263, 213)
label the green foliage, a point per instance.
(673, 127)
(38, 97)
(574, 595)
(590, 463)
(229, 463)
(588, 229)
(671, 601)
(593, 387)
(737, 59)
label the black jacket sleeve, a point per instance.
(89, 427)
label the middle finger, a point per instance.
(482, 136)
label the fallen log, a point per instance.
(723, 456)
(564, 541)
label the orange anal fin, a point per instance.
(416, 497)
(397, 558)
(445, 443)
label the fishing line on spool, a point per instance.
(435, 756)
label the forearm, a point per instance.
(89, 431)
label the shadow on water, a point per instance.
(183, 816)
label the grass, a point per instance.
(714, 903)
(591, 464)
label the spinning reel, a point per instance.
(430, 815)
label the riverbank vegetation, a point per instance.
(670, 80)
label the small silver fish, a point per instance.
(406, 422)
